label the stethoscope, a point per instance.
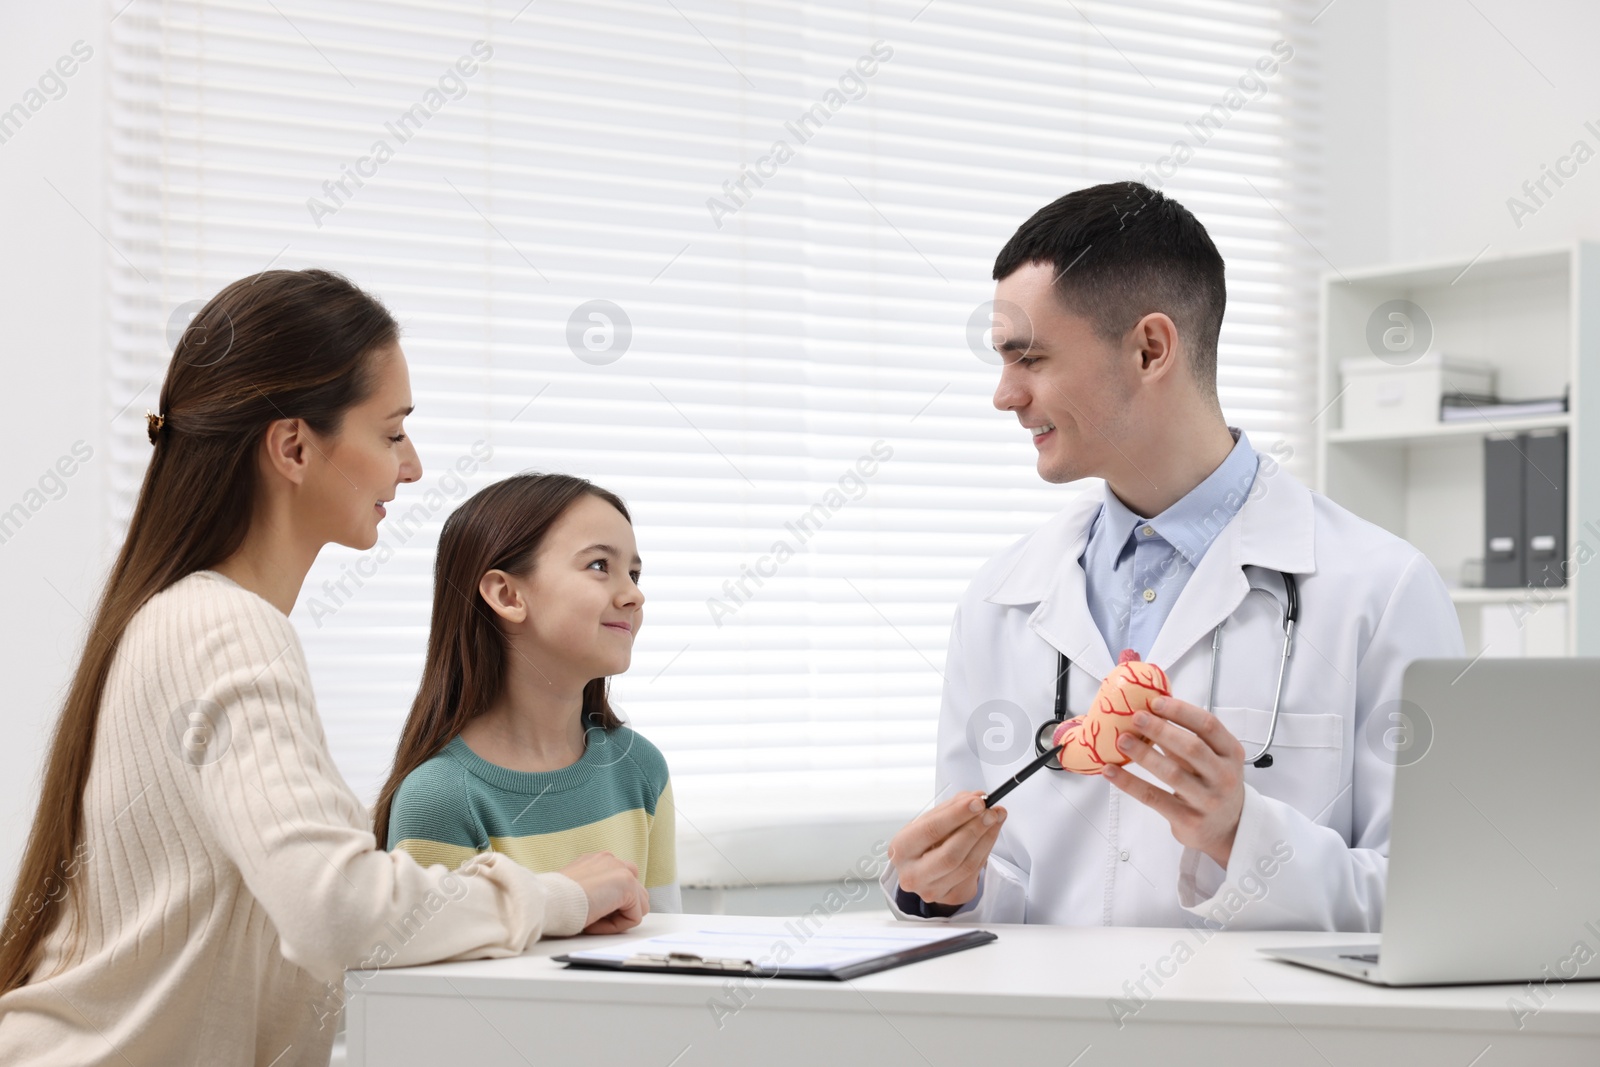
(1043, 737)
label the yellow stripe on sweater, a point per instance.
(625, 835)
(428, 852)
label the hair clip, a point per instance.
(153, 424)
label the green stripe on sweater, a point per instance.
(616, 798)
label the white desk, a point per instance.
(1039, 995)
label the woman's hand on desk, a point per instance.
(617, 899)
(939, 854)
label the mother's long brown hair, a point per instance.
(280, 344)
(497, 528)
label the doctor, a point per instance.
(1108, 307)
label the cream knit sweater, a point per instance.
(228, 875)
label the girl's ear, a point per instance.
(503, 596)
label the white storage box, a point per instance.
(1381, 397)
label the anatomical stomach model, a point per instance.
(1089, 741)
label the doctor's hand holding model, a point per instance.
(1261, 798)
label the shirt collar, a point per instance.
(1194, 521)
(1113, 525)
(1275, 527)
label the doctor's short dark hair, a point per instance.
(1121, 251)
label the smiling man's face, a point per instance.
(1058, 372)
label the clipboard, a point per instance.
(636, 957)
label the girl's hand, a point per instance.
(617, 899)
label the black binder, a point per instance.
(1502, 513)
(1544, 508)
(690, 963)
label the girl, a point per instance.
(199, 876)
(511, 743)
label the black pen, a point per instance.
(1021, 776)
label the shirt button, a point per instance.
(1149, 595)
(1124, 855)
(1148, 531)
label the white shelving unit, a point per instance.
(1536, 318)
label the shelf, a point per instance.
(1533, 316)
(1499, 267)
(1448, 432)
(1506, 596)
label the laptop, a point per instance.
(1494, 866)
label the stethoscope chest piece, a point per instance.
(1045, 737)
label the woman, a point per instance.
(198, 875)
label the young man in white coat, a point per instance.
(1109, 303)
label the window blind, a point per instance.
(727, 260)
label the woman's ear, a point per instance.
(503, 596)
(284, 448)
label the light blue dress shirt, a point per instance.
(1135, 567)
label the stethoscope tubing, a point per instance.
(1262, 758)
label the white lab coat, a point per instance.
(1312, 843)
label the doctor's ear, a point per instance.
(1155, 338)
(503, 596)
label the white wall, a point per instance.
(1354, 49)
(1437, 111)
(1486, 106)
(52, 278)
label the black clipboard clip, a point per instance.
(691, 961)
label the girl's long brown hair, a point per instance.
(497, 528)
(280, 344)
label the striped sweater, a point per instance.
(617, 798)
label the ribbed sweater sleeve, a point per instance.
(266, 786)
